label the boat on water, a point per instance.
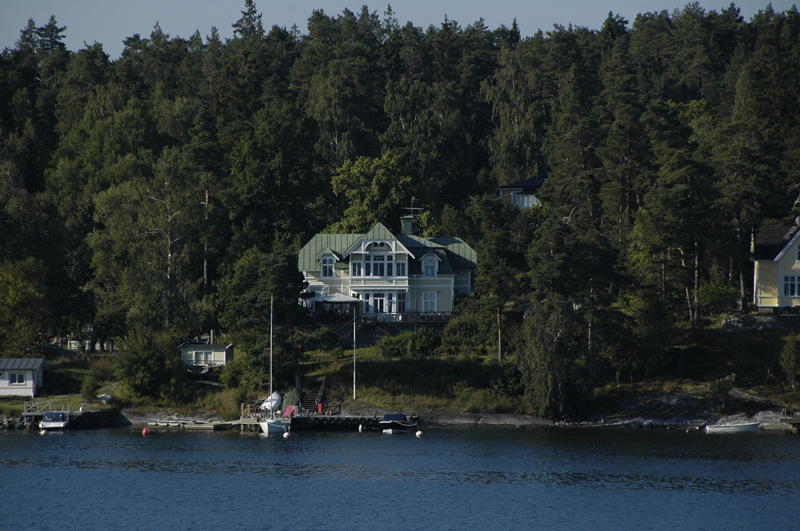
(397, 423)
(54, 421)
(272, 425)
(732, 427)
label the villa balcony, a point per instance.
(345, 316)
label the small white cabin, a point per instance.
(205, 356)
(21, 376)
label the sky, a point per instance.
(111, 21)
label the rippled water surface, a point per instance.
(448, 479)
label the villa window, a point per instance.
(389, 265)
(789, 286)
(429, 302)
(401, 269)
(429, 267)
(327, 267)
(379, 265)
(389, 302)
(401, 302)
(355, 269)
(798, 252)
(16, 378)
(367, 267)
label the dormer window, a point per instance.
(327, 267)
(429, 266)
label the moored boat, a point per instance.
(54, 421)
(724, 427)
(273, 426)
(397, 423)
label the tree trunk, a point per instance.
(591, 354)
(499, 335)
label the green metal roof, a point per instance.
(453, 253)
(307, 257)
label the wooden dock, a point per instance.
(314, 422)
(192, 426)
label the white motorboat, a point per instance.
(737, 427)
(397, 423)
(54, 421)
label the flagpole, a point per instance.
(355, 309)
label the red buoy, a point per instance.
(145, 432)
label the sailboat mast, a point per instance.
(270, 346)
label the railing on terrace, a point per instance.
(381, 317)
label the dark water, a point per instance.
(449, 479)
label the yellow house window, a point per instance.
(789, 286)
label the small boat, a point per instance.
(397, 423)
(54, 421)
(724, 427)
(273, 426)
(175, 424)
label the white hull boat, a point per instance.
(722, 427)
(54, 421)
(397, 423)
(271, 425)
(274, 426)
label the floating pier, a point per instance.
(320, 423)
(83, 419)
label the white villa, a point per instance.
(384, 277)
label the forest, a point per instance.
(166, 193)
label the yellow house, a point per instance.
(776, 276)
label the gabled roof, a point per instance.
(770, 242)
(528, 186)
(21, 364)
(378, 232)
(453, 253)
(329, 251)
(307, 258)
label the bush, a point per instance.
(409, 344)
(465, 335)
(102, 370)
(89, 388)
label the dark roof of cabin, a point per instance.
(528, 186)
(768, 242)
(21, 364)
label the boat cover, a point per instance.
(395, 416)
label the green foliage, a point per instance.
(721, 390)
(789, 359)
(147, 363)
(553, 370)
(717, 295)
(89, 388)
(24, 307)
(467, 335)
(421, 343)
(374, 190)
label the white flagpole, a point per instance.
(355, 309)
